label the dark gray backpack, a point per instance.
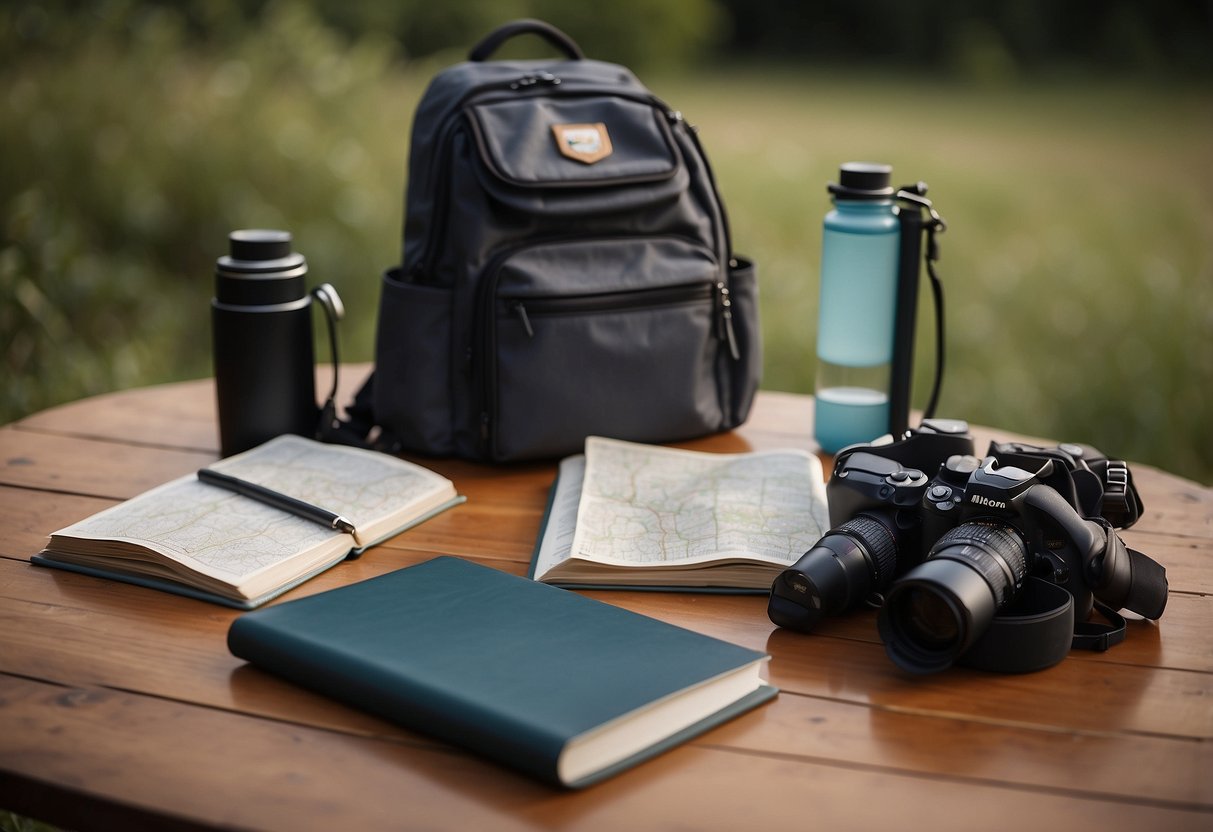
(566, 271)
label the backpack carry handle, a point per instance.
(493, 41)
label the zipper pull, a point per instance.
(518, 309)
(527, 81)
(726, 320)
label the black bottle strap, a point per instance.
(934, 225)
(931, 256)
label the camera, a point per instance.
(1090, 481)
(988, 530)
(875, 495)
(989, 562)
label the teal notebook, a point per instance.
(559, 686)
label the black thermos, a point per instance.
(261, 320)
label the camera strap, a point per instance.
(1038, 629)
(1034, 632)
(1089, 635)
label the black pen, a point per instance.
(272, 498)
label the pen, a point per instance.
(272, 498)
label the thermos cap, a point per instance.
(863, 180)
(259, 244)
(260, 270)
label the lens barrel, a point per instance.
(942, 606)
(846, 566)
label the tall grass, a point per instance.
(1078, 262)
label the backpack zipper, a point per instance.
(484, 329)
(630, 300)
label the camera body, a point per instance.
(1057, 541)
(945, 543)
(875, 495)
(985, 537)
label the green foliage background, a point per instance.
(1078, 260)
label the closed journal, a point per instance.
(559, 686)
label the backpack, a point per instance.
(566, 269)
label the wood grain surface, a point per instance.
(121, 707)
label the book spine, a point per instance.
(394, 696)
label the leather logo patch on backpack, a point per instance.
(585, 143)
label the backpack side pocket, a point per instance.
(412, 393)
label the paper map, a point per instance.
(213, 531)
(647, 504)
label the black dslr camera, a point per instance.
(1017, 546)
(875, 495)
(985, 538)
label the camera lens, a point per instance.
(846, 566)
(939, 608)
(928, 619)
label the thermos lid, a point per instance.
(863, 180)
(260, 269)
(259, 244)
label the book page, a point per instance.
(648, 505)
(561, 526)
(363, 486)
(211, 531)
(240, 542)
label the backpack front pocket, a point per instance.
(576, 155)
(613, 337)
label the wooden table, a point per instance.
(120, 707)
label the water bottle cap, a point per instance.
(863, 180)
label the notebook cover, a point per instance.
(166, 585)
(178, 588)
(496, 663)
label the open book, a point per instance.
(200, 540)
(630, 515)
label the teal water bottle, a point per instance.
(859, 263)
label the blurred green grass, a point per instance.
(1078, 262)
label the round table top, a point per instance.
(122, 705)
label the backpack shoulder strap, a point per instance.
(359, 427)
